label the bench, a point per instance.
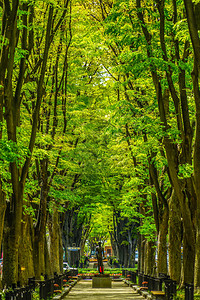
(158, 295)
(142, 288)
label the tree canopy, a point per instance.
(100, 133)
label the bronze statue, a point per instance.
(99, 255)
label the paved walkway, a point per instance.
(119, 291)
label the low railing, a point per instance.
(157, 283)
(189, 291)
(47, 287)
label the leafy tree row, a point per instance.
(99, 104)
(155, 66)
(53, 134)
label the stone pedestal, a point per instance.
(101, 282)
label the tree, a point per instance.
(12, 101)
(193, 29)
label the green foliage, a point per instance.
(101, 223)
(99, 126)
(148, 227)
(185, 171)
(12, 152)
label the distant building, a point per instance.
(107, 251)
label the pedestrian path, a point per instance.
(119, 291)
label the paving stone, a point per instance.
(119, 291)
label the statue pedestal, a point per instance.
(101, 281)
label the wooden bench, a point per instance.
(158, 295)
(142, 288)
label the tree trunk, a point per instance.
(125, 256)
(10, 259)
(61, 252)
(11, 238)
(54, 240)
(40, 226)
(39, 251)
(2, 213)
(197, 262)
(48, 266)
(113, 238)
(14, 209)
(85, 234)
(162, 244)
(139, 252)
(141, 257)
(149, 261)
(174, 239)
(114, 245)
(195, 78)
(72, 230)
(26, 266)
(132, 248)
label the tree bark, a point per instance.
(54, 241)
(141, 250)
(162, 244)
(149, 258)
(2, 212)
(114, 245)
(40, 226)
(175, 239)
(193, 28)
(195, 77)
(26, 266)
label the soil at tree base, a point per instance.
(84, 291)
